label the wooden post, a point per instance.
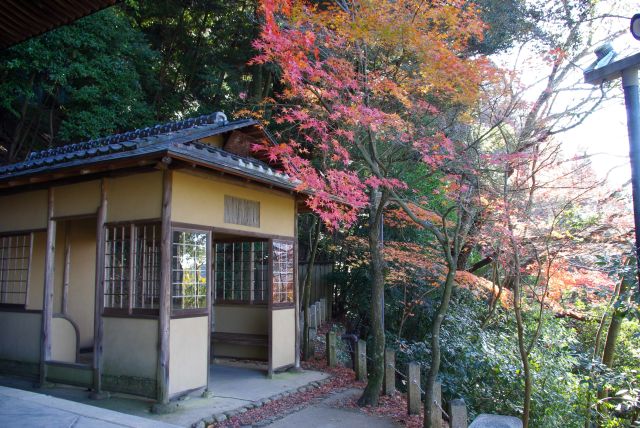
(413, 390)
(389, 385)
(323, 310)
(164, 316)
(98, 328)
(313, 320)
(331, 349)
(458, 414)
(296, 288)
(47, 298)
(361, 360)
(436, 406)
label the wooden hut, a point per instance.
(128, 262)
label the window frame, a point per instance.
(294, 285)
(192, 312)
(130, 310)
(267, 281)
(27, 281)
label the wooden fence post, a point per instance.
(361, 360)
(313, 316)
(389, 372)
(318, 314)
(413, 390)
(436, 406)
(331, 348)
(458, 414)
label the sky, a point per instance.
(603, 135)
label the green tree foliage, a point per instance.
(74, 83)
(204, 47)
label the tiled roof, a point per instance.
(179, 139)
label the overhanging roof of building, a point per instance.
(176, 140)
(23, 19)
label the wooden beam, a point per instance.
(98, 327)
(47, 298)
(164, 317)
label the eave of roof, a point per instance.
(177, 140)
(23, 19)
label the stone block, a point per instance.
(458, 414)
(413, 390)
(361, 360)
(496, 421)
(389, 385)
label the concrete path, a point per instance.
(27, 409)
(329, 414)
(231, 388)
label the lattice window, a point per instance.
(241, 271)
(283, 259)
(189, 284)
(241, 211)
(15, 255)
(132, 266)
(147, 273)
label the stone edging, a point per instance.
(223, 416)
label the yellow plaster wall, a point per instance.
(135, 197)
(198, 200)
(130, 347)
(241, 319)
(58, 267)
(189, 342)
(23, 211)
(76, 199)
(20, 336)
(283, 337)
(82, 234)
(63, 341)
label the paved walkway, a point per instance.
(329, 414)
(28, 409)
(231, 388)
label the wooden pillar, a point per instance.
(98, 328)
(458, 414)
(296, 288)
(436, 405)
(389, 385)
(361, 360)
(164, 316)
(47, 298)
(413, 390)
(331, 349)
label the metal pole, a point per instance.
(630, 86)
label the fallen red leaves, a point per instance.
(340, 378)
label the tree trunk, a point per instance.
(522, 348)
(371, 394)
(432, 375)
(307, 350)
(614, 327)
